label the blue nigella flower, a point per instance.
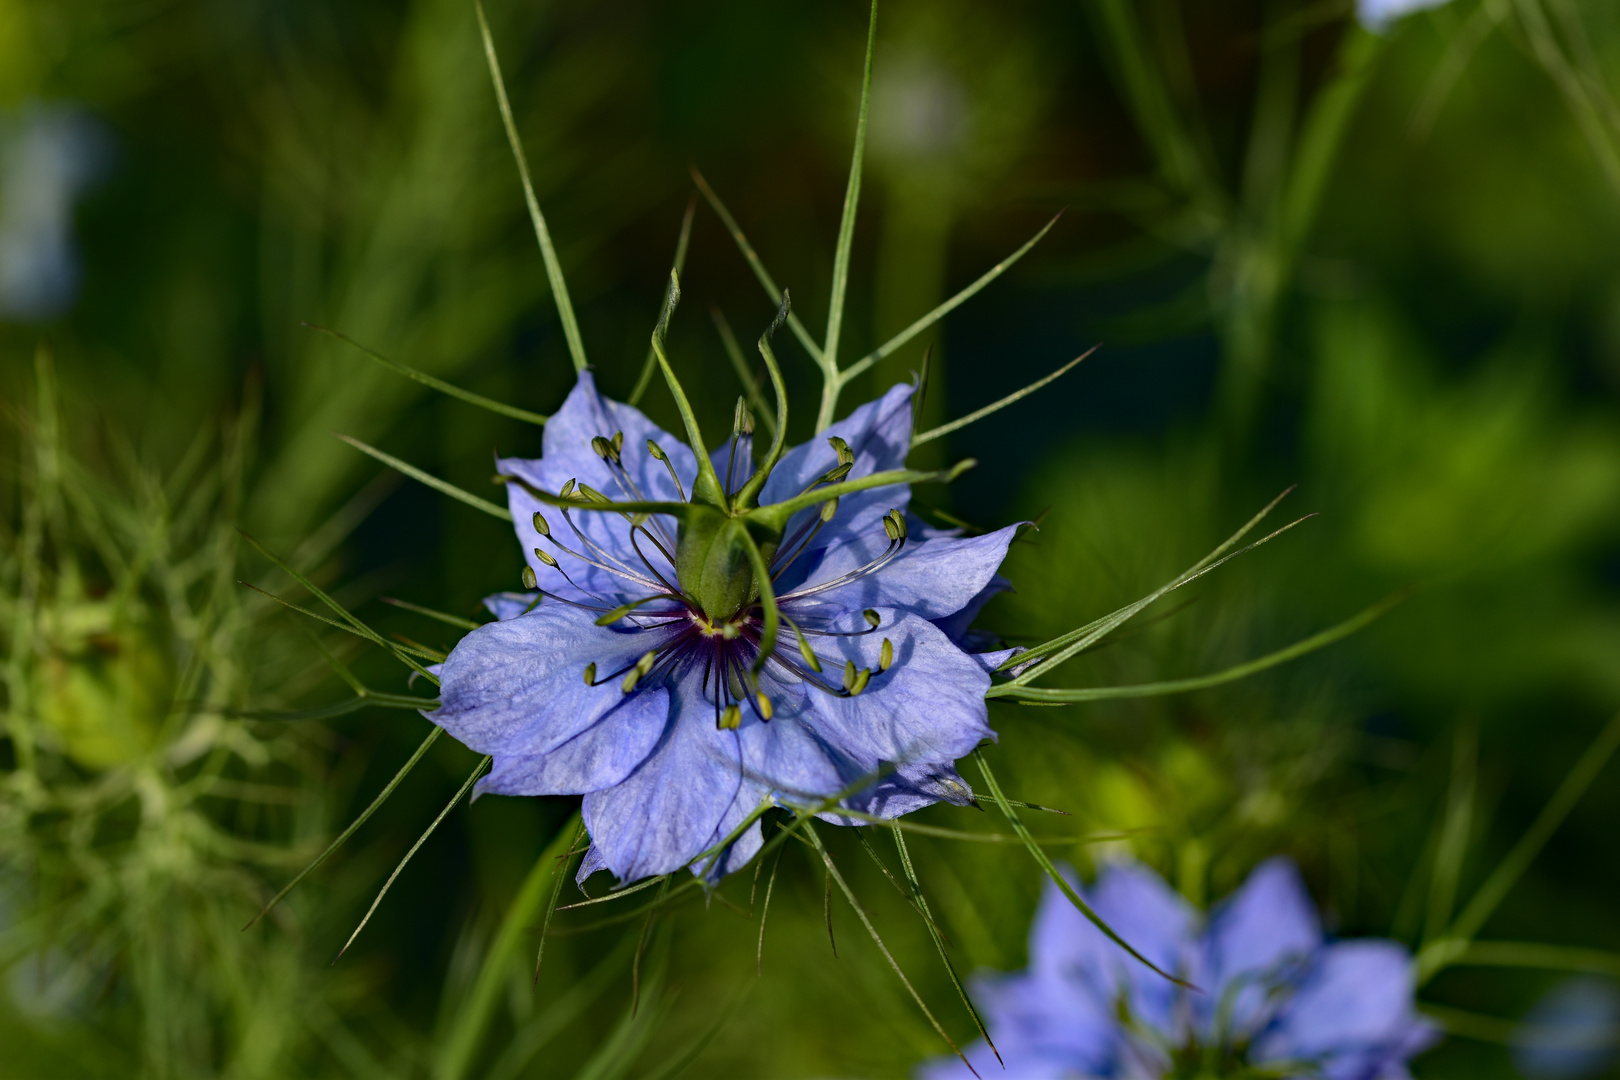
(650, 671)
(1274, 999)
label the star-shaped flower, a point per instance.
(650, 671)
(1274, 998)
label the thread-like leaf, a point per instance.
(478, 769)
(1203, 682)
(441, 616)
(846, 223)
(444, 487)
(1062, 883)
(650, 365)
(554, 274)
(382, 797)
(438, 384)
(1016, 395)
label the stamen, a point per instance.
(567, 490)
(590, 673)
(730, 720)
(886, 656)
(862, 677)
(846, 456)
(541, 526)
(766, 709)
(658, 455)
(529, 581)
(873, 619)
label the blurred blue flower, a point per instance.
(653, 713)
(1376, 15)
(1572, 1032)
(48, 155)
(1274, 998)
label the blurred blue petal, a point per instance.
(1572, 1032)
(48, 156)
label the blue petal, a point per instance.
(879, 435)
(566, 454)
(1141, 909)
(1352, 1015)
(957, 626)
(928, 707)
(669, 810)
(515, 689)
(1267, 925)
(933, 578)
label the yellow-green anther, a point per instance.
(603, 448)
(832, 476)
(899, 520)
(590, 673)
(567, 490)
(849, 675)
(731, 719)
(528, 577)
(637, 520)
(886, 656)
(846, 456)
(656, 451)
(862, 677)
(766, 709)
(631, 679)
(888, 527)
(809, 657)
(540, 525)
(873, 619)
(645, 664)
(543, 557)
(611, 617)
(828, 509)
(618, 443)
(592, 494)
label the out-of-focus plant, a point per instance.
(139, 814)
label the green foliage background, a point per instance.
(1384, 267)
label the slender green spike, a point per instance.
(707, 487)
(767, 600)
(751, 385)
(651, 363)
(559, 287)
(888, 347)
(1057, 878)
(444, 487)
(1072, 643)
(457, 1049)
(347, 628)
(758, 267)
(444, 617)
(938, 937)
(1528, 954)
(1434, 957)
(438, 384)
(980, 414)
(750, 491)
(1455, 830)
(465, 787)
(920, 393)
(764, 910)
(354, 826)
(359, 627)
(833, 874)
(1203, 682)
(846, 230)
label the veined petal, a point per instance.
(670, 809)
(517, 688)
(934, 578)
(567, 455)
(928, 707)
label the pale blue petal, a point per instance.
(567, 455)
(1353, 1014)
(516, 688)
(957, 627)
(669, 810)
(933, 578)
(928, 707)
(1259, 932)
